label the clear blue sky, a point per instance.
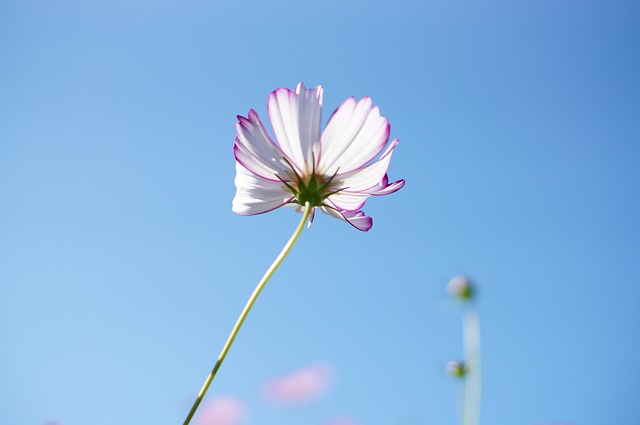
(122, 267)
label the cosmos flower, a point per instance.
(457, 368)
(460, 287)
(335, 170)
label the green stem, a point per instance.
(247, 308)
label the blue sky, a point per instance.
(122, 267)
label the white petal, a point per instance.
(349, 201)
(385, 188)
(295, 118)
(256, 151)
(358, 220)
(255, 195)
(354, 135)
(368, 176)
(362, 183)
(355, 218)
(353, 201)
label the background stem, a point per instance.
(473, 378)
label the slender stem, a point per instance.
(247, 308)
(462, 392)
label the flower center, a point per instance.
(313, 189)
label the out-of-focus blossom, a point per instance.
(300, 386)
(222, 411)
(336, 171)
(341, 421)
(457, 368)
(461, 287)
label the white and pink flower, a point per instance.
(335, 170)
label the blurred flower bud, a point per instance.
(457, 368)
(460, 287)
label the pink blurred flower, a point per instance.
(300, 386)
(341, 421)
(222, 411)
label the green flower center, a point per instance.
(313, 189)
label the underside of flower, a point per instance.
(313, 189)
(335, 170)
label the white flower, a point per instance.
(335, 171)
(460, 287)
